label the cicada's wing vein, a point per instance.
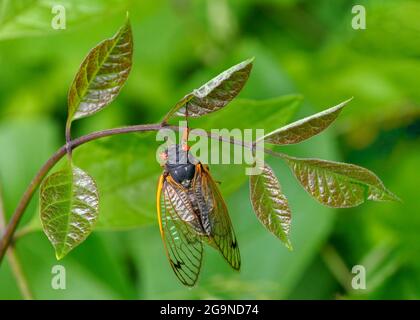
(215, 212)
(182, 205)
(183, 247)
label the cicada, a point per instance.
(192, 212)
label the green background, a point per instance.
(300, 47)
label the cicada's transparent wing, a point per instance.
(215, 218)
(183, 246)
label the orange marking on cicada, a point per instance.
(184, 139)
(158, 195)
(163, 157)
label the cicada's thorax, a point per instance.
(180, 165)
(182, 173)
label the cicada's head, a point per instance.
(180, 164)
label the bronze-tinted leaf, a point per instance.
(69, 205)
(339, 185)
(101, 75)
(216, 93)
(305, 128)
(270, 204)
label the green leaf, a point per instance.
(216, 93)
(69, 205)
(339, 185)
(270, 204)
(18, 143)
(19, 18)
(306, 128)
(126, 170)
(101, 75)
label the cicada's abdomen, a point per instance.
(204, 206)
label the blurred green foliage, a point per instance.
(301, 47)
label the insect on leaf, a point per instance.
(306, 128)
(69, 205)
(216, 93)
(339, 185)
(101, 75)
(270, 204)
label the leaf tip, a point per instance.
(59, 255)
(247, 64)
(345, 102)
(288, 245)
(394, 197)
(127, 24)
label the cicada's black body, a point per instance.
(191, 211)
(180, 165)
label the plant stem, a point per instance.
(178, 106)
(337, 266)
(69, 146)
(20, 277)
(13, 259)
(68, 138)
(27, 196)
